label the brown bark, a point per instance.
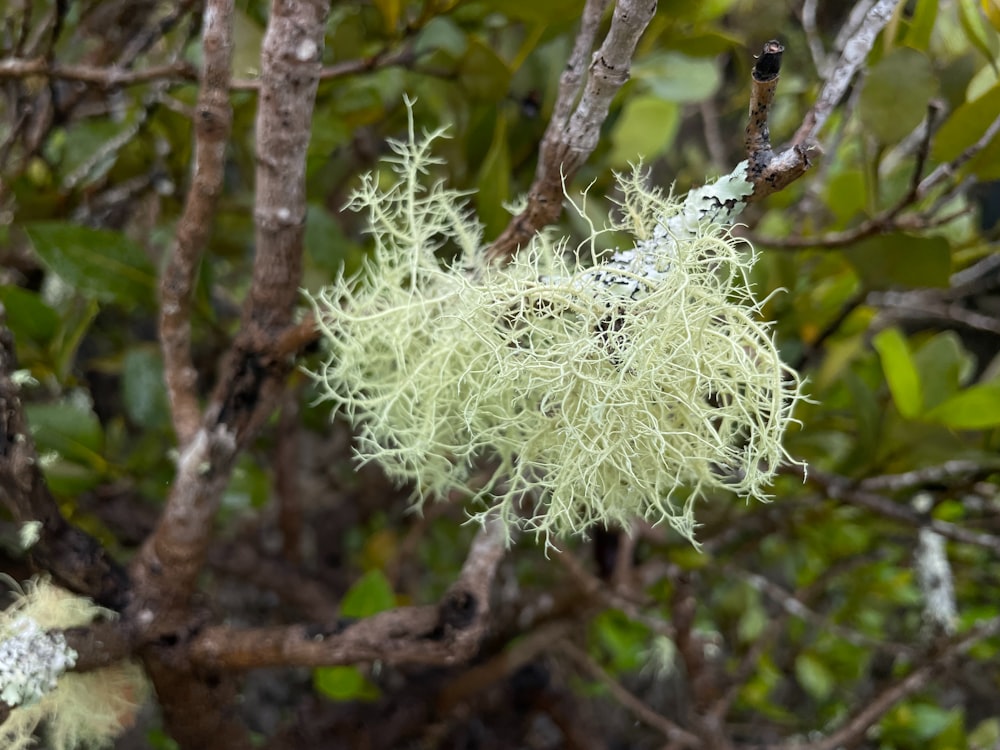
(74, 558)
(573, 132)
(212, 127)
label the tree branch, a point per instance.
(197, 703)
(893, 218)
(73, 557)
(212, 126)
(861, 721)
(252, 375)
(669, 729)
(767, 171)
(844, 490)
(572, 133)
(855, 52)
(290, 67)
(948, 472)
(443, 634)
(103, 77)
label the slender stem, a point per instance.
(212, 126)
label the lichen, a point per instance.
(76, 709)
(560, 390)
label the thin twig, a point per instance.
(442, 634)
(294, 339)
(668, 728)
(104, 77)
(404, 57)
(862, 720)
(575, 127)
(923, 304)
(517, 654)
(812, 36)
(948, 169)
(855, 52)
(947, 473)
(842, 489)
(769, 172)
(894, 218)
(212, 127)
(795, 607)
(181, 72)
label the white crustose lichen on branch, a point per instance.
(36, 684)
(600, 390)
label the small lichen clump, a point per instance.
(597, 392)
(78, 709)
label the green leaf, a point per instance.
(986, 735)
(160, 740)
(548, 12)
(976, 31)
(901, 260)
(494, 181)
(249, 488)
(943, 365)
(896, 92)
(77, 148)
(756, 692)
(248, 37)
(327, 246)
(706, 44)
(695, 10)
(369, 595)
(647, 126)
(99, 263)
(344, 684)
(482, 74)
(966, 125)
(900, 371)
(28, 316)
(814, 676)
(929, 721)
(918, 35)
(846, 194)
(390, 11)
(622, 639)
(975, 408)
(985, 165)
(442, 34)
(70, 429)
(143, 390)
(76, 324)
(752, 622)
(678, 78)
(992, 10)
(864, 408)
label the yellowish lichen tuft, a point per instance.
(84, 710)
(599, 391)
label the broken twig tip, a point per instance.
(768, 62)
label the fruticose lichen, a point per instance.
(561, 390)
(77, 709)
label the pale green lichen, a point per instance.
(596, 391)
(87, 709)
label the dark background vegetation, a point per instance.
(801, 623)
